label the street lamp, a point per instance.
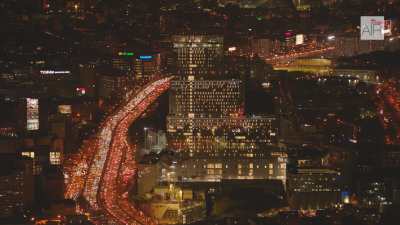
(76, 7)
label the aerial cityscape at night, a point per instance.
(202, 112)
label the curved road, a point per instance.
(102, 172)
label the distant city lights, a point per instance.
(81, 91)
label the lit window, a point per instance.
(28, 154)
(32, 114)
(55, 158)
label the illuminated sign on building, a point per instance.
(288, 34)
(372, 28)
(50, 72)
(146, 57)
(32, 114)
(126, 53)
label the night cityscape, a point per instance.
(202, 112)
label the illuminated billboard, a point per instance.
(126, 53)
(54, 72)
(32, 114)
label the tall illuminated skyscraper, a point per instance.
(198, 55)
(206, 98)
(207, 125)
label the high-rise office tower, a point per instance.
(198, 55)
(206, 98)
(314, 188)
(206, 122)
(234, 138)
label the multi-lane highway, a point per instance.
(102, 172)
(388, 104)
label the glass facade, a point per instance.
(206, 98)
(206, 123)
(222, 137)
(197, 55)
(212, 149)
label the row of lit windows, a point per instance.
(317, 190)
(204, 111)
(261, 162)
(206, 85)
(197, 44)
(216, 91)
(54, 157)
(204, 52)
(210, 103)
(323, 179)
(217, 122)
(226, 133)
(193, 64)
(269, 167)
(209, 100)
(239, 172)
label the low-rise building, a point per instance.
(314, 188)
(176, 205)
